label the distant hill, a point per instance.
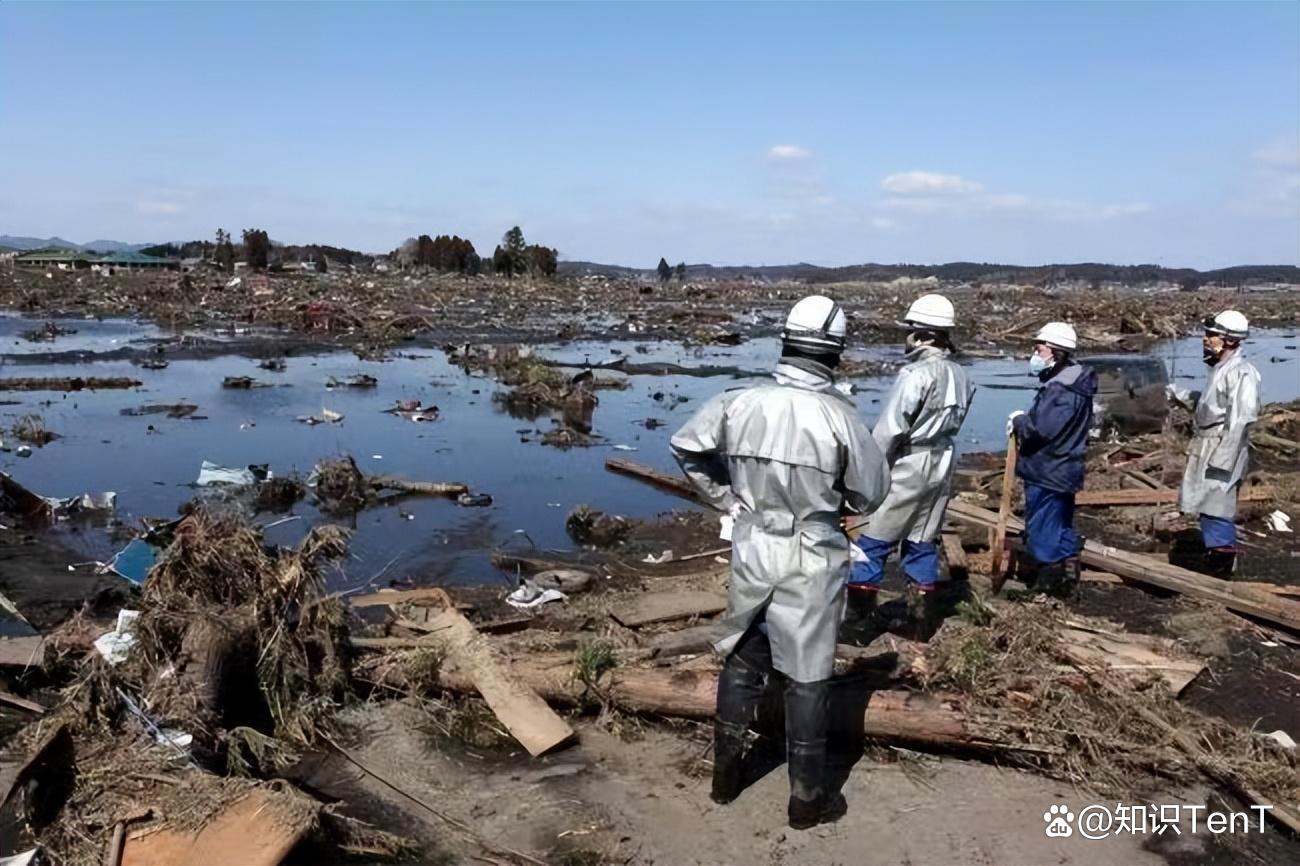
(965, 272)
(18, 242)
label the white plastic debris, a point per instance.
(115, 646)
(1279, 521)
(27, 858)
(1282, 738)
(211, 473)
(234, 282)
(624, 448)
(529, 596)
(666, 556)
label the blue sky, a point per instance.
(729, 133)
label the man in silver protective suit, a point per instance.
(1219, 452)
(915, 431)
(787, 459)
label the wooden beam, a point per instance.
(1147, 570)
(666, 606)
(998, 540)
(1162, 496)
(664, 481)
(519, 708)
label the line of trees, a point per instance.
(516, 256)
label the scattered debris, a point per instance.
(1278, 521)
(171, 410)
(586, 526)
(31, 428)
(115, 646)
(68, 384)
(243, 383)
(474, 500)
(210, 474)
(359, 380)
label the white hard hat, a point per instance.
(1059, 335)
(932, 311)
(815, 324)
(1229, 323)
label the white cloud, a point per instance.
(1270, 186)
(927, 192)
(929, 183)
(788, 153)
(883, 223)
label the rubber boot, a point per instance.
(1050, 578)
(807, 714)
(859, 627)
(1072, 571)
(928, 612)
(1220, 562)
(740, 692)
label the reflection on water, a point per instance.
(151, 460)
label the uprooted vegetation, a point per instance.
(1109, 734)
(237, 648)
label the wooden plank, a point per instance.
(1138, 655)
(22, 703)
(998, 541)
(686, 641)
(525, 715)
(1145, 480)
(955, 554)
(666, 606)
(1144, 569)
(259, 829)
(1163, 496)
(427, 594)
(22, 651)
(671, 483)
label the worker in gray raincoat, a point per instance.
(1218, 455)
(787, 459)
(915, 431)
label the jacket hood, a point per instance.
(1078, 378)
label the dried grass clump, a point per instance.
(341, 488)
(1103, 731)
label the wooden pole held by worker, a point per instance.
(998, 541)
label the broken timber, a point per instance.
(664, 481)
(525, 715)
(1147, 570)
(665, 606)
(899, 717)
(419, 488)
(1162, 496)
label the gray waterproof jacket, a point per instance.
(915, 431)
(1218, 456)
(788, 458)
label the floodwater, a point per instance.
(151, 461)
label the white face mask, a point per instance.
(1037, 363)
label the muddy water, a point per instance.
(151, 461)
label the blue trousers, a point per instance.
(1049, 524)
(920, 562)
(1218, 531)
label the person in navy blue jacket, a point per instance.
(1053, 440)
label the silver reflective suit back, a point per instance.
(915, 431)
(786, 458)
(1218, 456)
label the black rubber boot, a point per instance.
(1072, 571)
(1220, 562)
(1050, 578)
(859, 627)
(740, 691)
(807, 712)
(928, 612)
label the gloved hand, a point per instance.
(1011, 421)
(1171, 393)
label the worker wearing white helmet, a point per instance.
(787, 459)
(1053, 442)
(1219, 452)
(916, 431)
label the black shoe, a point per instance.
(1220, 562)
(804, 814)
(860, 626)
